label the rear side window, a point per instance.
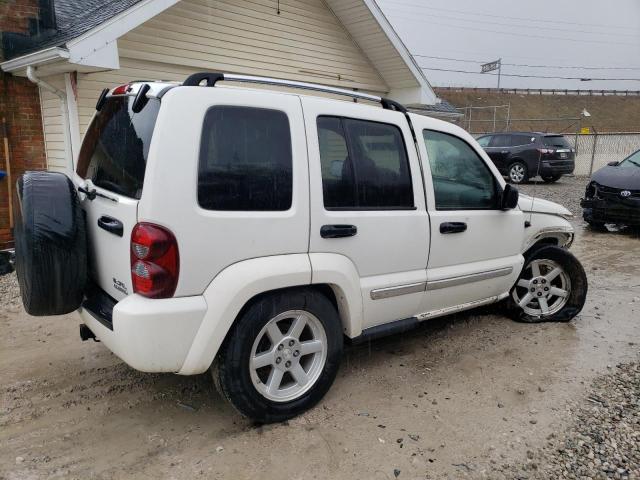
(517, 140)
(557, 141)
(115, 148)
(245, 160)
(364, 165)
(500, 141)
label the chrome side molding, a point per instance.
(380, 293)
(388, 292)
(474, 277)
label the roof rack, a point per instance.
(213, 77)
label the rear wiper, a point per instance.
(92, 194)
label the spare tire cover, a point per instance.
(50, 243)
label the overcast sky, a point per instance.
(547, 33)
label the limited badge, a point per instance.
(120, 286)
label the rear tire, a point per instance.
(551, 178)
(518, 172)
(552, 287)
(50, 244)
(265, 373)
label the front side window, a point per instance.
(245, 160)
(364, 165)
(461, 179)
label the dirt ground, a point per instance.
(458, 397)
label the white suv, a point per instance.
(253, 231)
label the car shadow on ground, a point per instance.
(630, 231)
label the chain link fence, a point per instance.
(594, 151)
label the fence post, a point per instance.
(593, 152)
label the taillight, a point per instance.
(155, 263)
(546, 150)
(121, 90)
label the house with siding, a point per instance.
(94, 44)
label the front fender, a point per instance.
(230, 291)
(545, 226)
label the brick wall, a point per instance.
(15, 15)
(20, 106)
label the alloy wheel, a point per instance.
(516, 173)
(288, 355)
(543, 288)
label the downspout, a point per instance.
(31, 75)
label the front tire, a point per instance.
(552, 287)
(281, 356)
(518, 172)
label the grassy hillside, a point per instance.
(608, 113)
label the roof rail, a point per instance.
(213, 77)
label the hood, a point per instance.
(540, 205)
(618, 177)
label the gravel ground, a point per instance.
(469, 396)
(567, 191)
(603, 440)
(9, 292)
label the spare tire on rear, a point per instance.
(50, 242)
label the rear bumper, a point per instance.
(149, 335)
(559, 167)
(607, 211)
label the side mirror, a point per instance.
(615, 163)
(509, 198)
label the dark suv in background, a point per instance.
(517, 154)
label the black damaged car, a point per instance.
(613, 195)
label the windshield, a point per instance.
(115, 148)
(555, 141)
(484, 141)
(632, 161)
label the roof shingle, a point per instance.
(73, 18)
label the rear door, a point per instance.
(228, 176)
(112, 164)
(367, 203)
